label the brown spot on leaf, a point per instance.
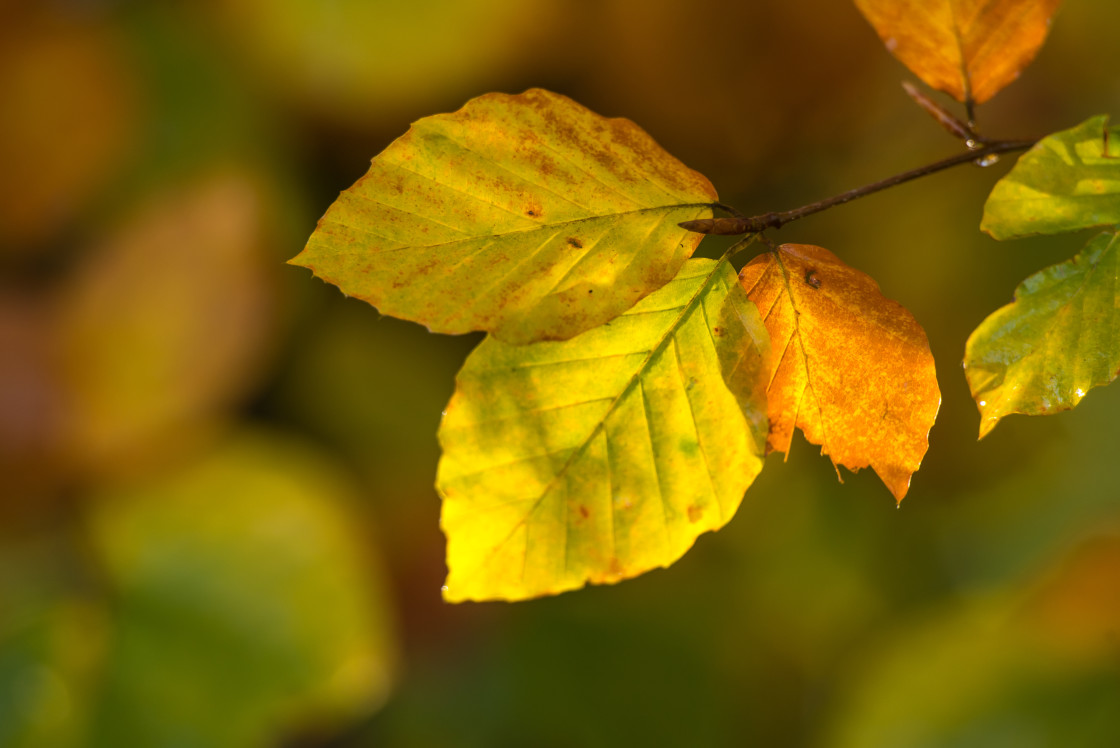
(811, 279)
(574, 242)
(584, 511)
(717, 331)
(695, 513)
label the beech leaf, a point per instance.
(1058, 339)
(601, 457)
(970, 49)
(526, 216)
(1067, 182)
(850, 368)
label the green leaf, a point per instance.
(244, 602)
(1066, 182)
(601, 457)
(52, 634)
(1057, 340)
(527, 216)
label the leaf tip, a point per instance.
(300, 260)
(986, 426)
(991, 227)
(897, 482)
(445, 593)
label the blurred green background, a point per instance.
(217, 520)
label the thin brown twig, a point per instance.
(745, 225)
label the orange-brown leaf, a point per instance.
(851, 368)
(969, 49)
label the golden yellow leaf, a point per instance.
(969, 49)
(596, 459)
(851, 368)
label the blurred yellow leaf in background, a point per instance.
(351, 60)
(169, 321)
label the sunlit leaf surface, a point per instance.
(526, 216)
(1058, 339)
(1066, 182)
(851, 368)
(601, 457)
(244, 602)
(969, 49)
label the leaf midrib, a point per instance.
(497, 236)
(635, 379)
(825, 441)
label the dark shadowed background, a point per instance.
(217, 519)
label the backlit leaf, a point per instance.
(526, 216)
(850, 368)
(601, 457)
(1059, 338)
(969, 49)
(1066, 182)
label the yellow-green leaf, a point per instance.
(1067, 182)
(1059, 338)
(601, 457)
(969, 49)
(526, 216)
